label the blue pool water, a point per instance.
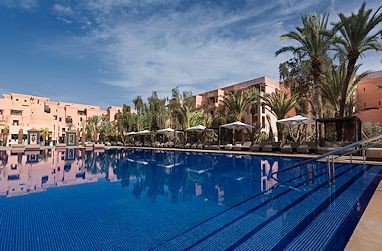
(166, 200)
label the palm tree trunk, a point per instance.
(349, 72)
(316, 72)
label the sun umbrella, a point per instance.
(143, 132)
(196, 128)
(296, 120)
(236, 126)
(166, 130)
(131, 133)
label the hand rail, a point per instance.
(339, 152)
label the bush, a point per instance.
(371, 130)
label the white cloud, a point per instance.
(23, 4)
(62, 10)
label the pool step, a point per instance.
(334, 225)
(200, 231)
(229, 227)
(266, 233)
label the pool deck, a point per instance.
(368, 233)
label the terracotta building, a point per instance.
(254, 115)
(19, 111)
(369, 98)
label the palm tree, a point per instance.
(332, 84)
(279, 104)
(188, 117)
(236, 102)
(355, 40)
(314, 41)
(92, 127)
(139, 104)
(44, 132)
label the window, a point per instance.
(364, 89)
(1, 112)
(60, 119)
(63, 129)
(46, 108)
(379, 102)
(262, 88)
(55, 117)
(262, 122)
(15, 122)
(263, 109)
(16, 112)
(68, 120)
(364, 104)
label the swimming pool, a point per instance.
(168, 200)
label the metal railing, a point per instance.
(359, 146)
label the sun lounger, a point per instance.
(187, 146)
(228, 147)
(246, 146)
(308, 147)
(212, 147)
(374, 153)
(257, 147)
(273, 147)
(289, 148)
(236, 147)
(194, 146)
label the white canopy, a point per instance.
(166, 130)
(196, 128)
(131, 133)
(237, 125)
(296, 120)
(144, 132)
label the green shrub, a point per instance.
(371, 130)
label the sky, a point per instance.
(106, 52)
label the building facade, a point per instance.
(19, 111)
(212, 100)
(369, 98)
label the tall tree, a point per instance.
(236, 102)
(333, 81)
(356, 38)
(314, 40)
(279, 103)
(139, 104)
(156, 111)
(44, 132)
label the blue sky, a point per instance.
(105, 52)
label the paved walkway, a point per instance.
(368, 233)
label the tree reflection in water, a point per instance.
(175, 176)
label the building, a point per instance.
(19, 111)
(212, 100)
(369, 98)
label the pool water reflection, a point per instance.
(144, 199)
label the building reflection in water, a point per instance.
(36, 171)
(269, 173)
(175, 176)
